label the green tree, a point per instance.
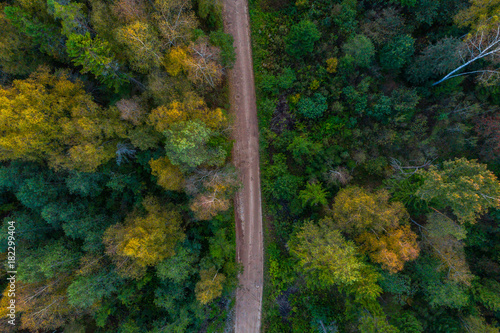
(345, 17)
(18, 54)
(224, 42)
(46, 35)
(95, 56)
(87, 290)
(314, 107)
(35, 193)
(211, 10)
(303, 149)
(395, 54)
(71, 15)
(479, 324)
(407, 323)
(487, 292)
(366, 290)
(438, 290)
(325, 256)
(86, 184)
(435, 60)
(387, 23)
(179, 267)
(187, 145)
(300, 41)
(48, 262)
(361, 49)
(376, 324)
(313, 194)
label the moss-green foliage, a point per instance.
(187, 145)
(382, 126)
(225, 42)
(314, 107)
(301, 39)
(361, 49)
(395, 54)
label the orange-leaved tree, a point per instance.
(391, 249)
(379, 226)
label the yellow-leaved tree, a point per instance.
(43, 305)
(192, 107)
(356, 210)
(48, 117)
(144, 239)
(467, 187)
(142, 45)
(176, 60)
(168, 176)
(210, 285)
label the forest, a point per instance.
(380, 138)
(115, 177)
(379, 127)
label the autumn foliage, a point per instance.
(49, 117)
(144, 239)
(391, 249)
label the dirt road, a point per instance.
(248, 211)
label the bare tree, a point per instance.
(176, 20)
(407, 171)
(484, 44)
(204, 65)
(131, 110)
(124, 152)
(339, 175)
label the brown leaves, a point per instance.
(130, 10)
(212, 190)
(204, 64)
(445, 238)
(131, 110)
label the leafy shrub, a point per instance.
(301, 39)
(345, 16)
(331, 65)
(361, 49)
(314, 107)
(225, 42)
(395, 54)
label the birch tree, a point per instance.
(484, 43)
